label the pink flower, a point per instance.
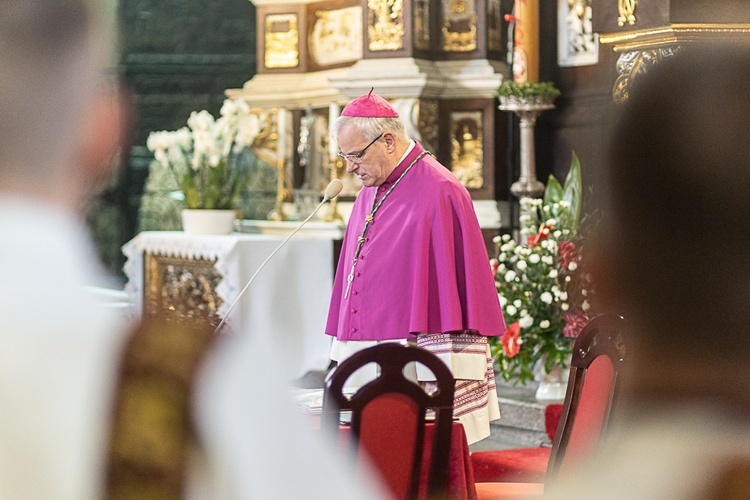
(511, 346)
(574, 323)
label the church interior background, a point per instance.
(182, 56)
(440, 62)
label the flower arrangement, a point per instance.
(544, 294)
(208, 157)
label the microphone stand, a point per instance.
(333, 189)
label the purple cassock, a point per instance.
(423, 266)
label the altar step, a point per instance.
(522, 419)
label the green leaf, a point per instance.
(192, 198)
(554, 191)
(573, 188)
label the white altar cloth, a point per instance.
(288, 300)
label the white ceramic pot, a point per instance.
(208, 221)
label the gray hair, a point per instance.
(370, 128)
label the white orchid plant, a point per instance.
(207, 157)
(544, 293)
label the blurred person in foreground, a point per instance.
(673, 259)
(60, 349)
(413, 265)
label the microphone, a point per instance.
(332, 190)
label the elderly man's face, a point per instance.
(374, 164)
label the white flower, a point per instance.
(534, 258)
(572, 266)
(553, 273)
(567, 279)
(564, 306)
(506, 237)
(585, 306)
(496, 240)
(547, 259)
(521, 265)
(563, 295)
(511, 310)
(544, 323)
(546, 297)
(557, 234)
(501, 268)
(517, 303)
(551, 222)
(503, 300)
(564, 204)
(510, 276)
(584, 292)
(544, 244)
(502, 257)
(525, 321)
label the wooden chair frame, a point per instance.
(392, 357)
(602, 336)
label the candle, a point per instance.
(526, 58)
(333, 145)
(281, 131)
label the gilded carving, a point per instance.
(385, 25)
(626, 9)
(282, 41)
(422, 24)
(180, 288)
(466, 148)
(631, 65)
(459, 26)
(336, 36)
(427, 122)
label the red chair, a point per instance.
(598, 356)
(393, 409)
(518, 464)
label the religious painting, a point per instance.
(577, 44)
(336, 36)
(385, 25)
(181, 288)
(459, 25)
(467, 157)
(281, 41)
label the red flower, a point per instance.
(494, 264)
(574, 323)
(567, 253)
(511, 346)
(543, 233)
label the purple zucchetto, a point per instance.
(370, 106)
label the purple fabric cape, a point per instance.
(424, 266)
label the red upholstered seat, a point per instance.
(518, 464)
(598, 356)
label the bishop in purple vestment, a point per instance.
(413, 263)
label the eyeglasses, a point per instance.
(357, 157)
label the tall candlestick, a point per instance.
(526, 57)
(333, 145)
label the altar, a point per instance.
(183, 275)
